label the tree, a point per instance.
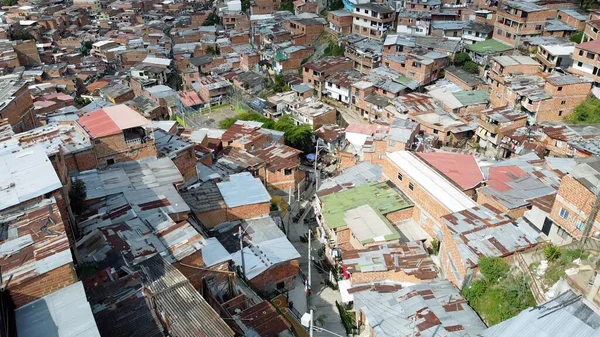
(278, 84)
(287, 6)
(211, 50)
(335, 5)
(551, 253)
(587, 112)
(77, 195)
(493, 268)
(85, 47)
(246, 5)
(471, 67)
(9, 2)
(22, 35)
(461, 58)
(576, 37)
(211, 19)
(301, 138)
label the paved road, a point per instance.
(323, 298)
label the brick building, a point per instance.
(480, 231)
(339, 22)
(281, 171)
(304, 110)
(271, 263)
(119, 134)
(117, 93)
(364, 53)
(315, 72)
(555, 56)
(242, 197)
(17, 105)
(432, 194)
(304, 31)
(573, 209)
(493, 124)
(181, 152)
(372, 20)
(517, 20)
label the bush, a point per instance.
(9, 2)
(551, 253)
(576, 37)
(493, 268)
(461, 58)
(435, 247)
(333, 50)
(22, 35)
(471, 67)
(287, 6)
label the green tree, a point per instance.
(587, 112)
(301, 138)
(335, 5)
(471, 67)
(493, 268)
(287, 6)
(246, 5)
(85, 47)
(9, 2)
(211, 19)
(77, 196)
(211, 50)
(227, 122)
(461, 58)
(278, 84)
(22, 35)
(576, 37)
(551, 253)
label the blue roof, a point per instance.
(243, 189)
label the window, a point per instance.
(380, 156)
(579, 64)
(581, 53)
(499, 31)
(110, 161)
(287, 172)
(590, 56)
(563, 102)
(559, 89)
(435, 131)
(560, 113)
(563, 213)
(580, 225)
(280, 285)
(411, 186)
(538, 27)
(448, 133)
(400, 176)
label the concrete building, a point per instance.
(372, 20)
(517, 20)
(339, 22)
(315, 72)
(555, 56)
(586, 60)
(17, 105)
(493, 124)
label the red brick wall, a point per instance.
(43, 285)
(284, 272)
(403, 214)
(186, 163)
(574, 198)
(212, 218)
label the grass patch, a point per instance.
(499, 295)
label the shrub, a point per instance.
(461, 58)
(551, 253)
(77, 196)
(471, 67)
(576, 37)
(493, 268)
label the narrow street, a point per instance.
(323, 298)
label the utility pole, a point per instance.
(316, 160)
(309, 260)
(311, 322)
(242, 251)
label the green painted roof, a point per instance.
(488, 47)
(382, 197)
(473, 97)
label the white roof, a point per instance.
(26, 174)
(437, 186)
(557, 49)
(27, 22)
(271, 252)
(157, 60)
(102, 43)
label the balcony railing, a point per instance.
(133, 141)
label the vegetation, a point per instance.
(587, 112)
(471, 67)
(559, 260)
(499, 295)
(335, 5)
(287, 6)
(22, 35)
(297, 136)
(9, 2)
(576, 37)
(85, 47)
(80, 102)
(551, 253)
(212, 50)
(246, 5)
(435, 247)
(347, 317)
(281, 204)
(461, 58)
(333, 49)
(277, 84)
(77, 195)
(87, 269)
(211, 19)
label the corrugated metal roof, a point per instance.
(243, 189)
(63, 313)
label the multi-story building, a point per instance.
(17, 105)
(493, 124)
(555, 56)
(213, 89)
(338, 85)
(281, 171)
(106, 50)
(414, 23)
(290, 58)
(315, 72)
(586, 60)
(516, 20)
(340, 22)
(305, 31)
(372, 20)
(119, 134)
(573, 17)
(573, 210)
(304, 111)
(591, 32)
(364, 53)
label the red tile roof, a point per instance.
(98, 124)
(593, 46)
(462, 169)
